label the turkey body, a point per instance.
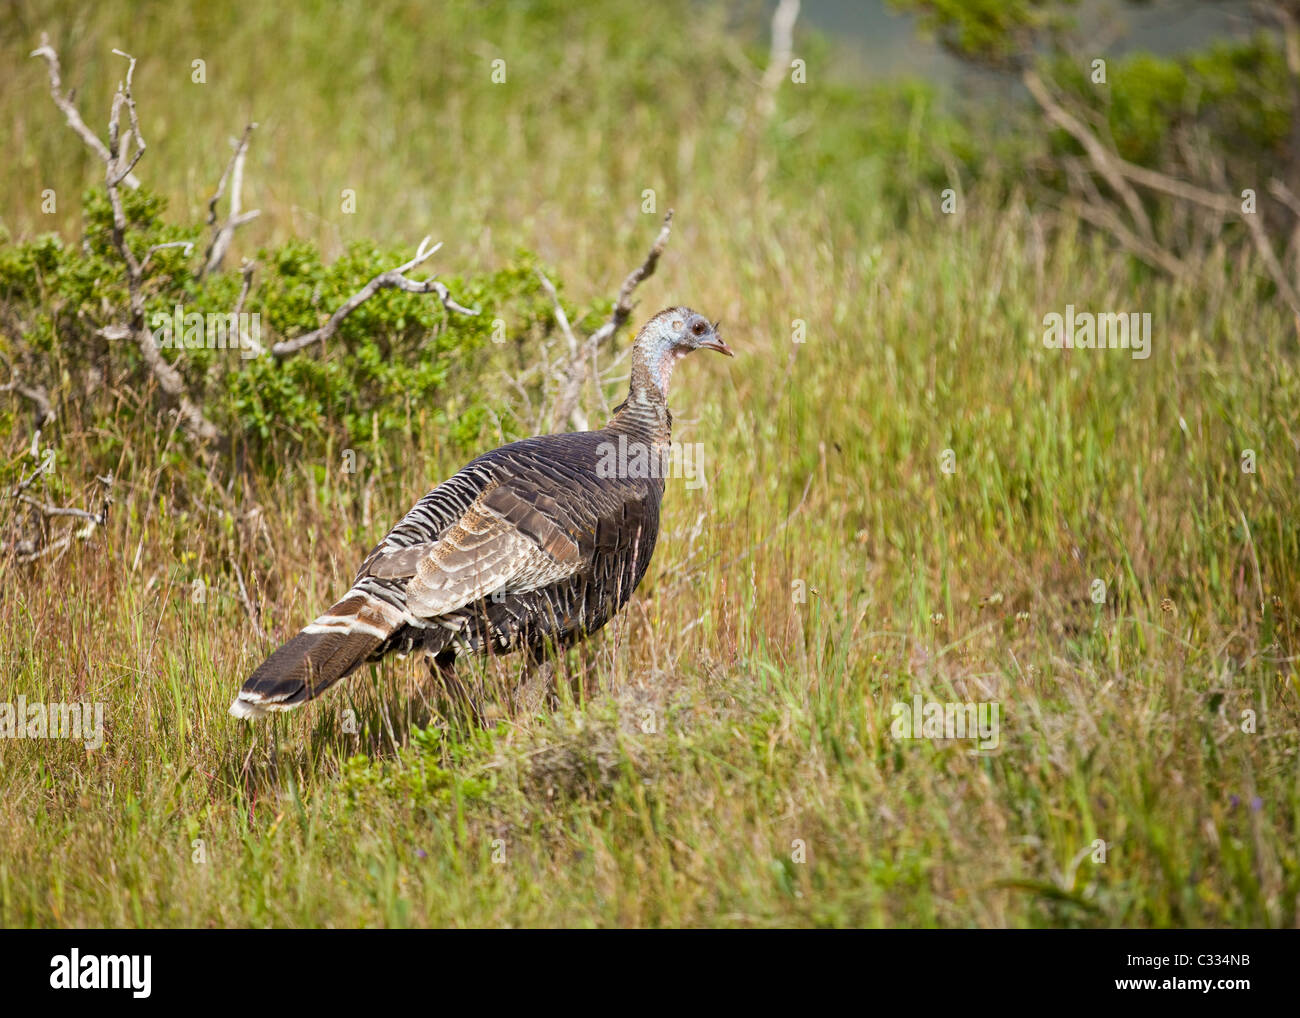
(527, 548)
(552, 490)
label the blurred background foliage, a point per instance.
(394, 102)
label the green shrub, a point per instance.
(394, 360)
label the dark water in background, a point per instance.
(878, 42)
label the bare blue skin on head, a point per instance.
(671, 335)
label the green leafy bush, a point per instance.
(394, 361)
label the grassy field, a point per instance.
(724, 755)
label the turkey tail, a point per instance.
(329, 649)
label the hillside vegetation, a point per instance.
(908, 495)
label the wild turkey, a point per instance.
(533, 545)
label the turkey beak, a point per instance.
(715, 342)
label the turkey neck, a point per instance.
(644, 414)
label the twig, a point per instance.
(1285, 195)
(189, 249)
(1097, 152)
(246, 270)
(48, 510)
(169, 379)
(28, 550)
(120, 157)
(1176, 188)
(560, 316)
(64, 103)
(119, 167)
(566, 404)
(34, 394)
(623, 306)
(246, 340)
(393, 279)
(1104, 218)
(1102, 215)
(1120, 173)
(223, 234)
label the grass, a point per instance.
(724, 754)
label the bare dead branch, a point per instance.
(1285, 195)
(1176, 188)
(246, 270)
(1101, 214)
(566, 404)
(1264, 247)
(1228, 204)
(1119, 173)
(623, 306)
(192, 418)
(223, 234)
(64, 102)
(189, 249)
(1104, 218)
(53, 510)
(43, 465)
(560, 316)
(1098, 154)
(393, 279)
(29, 548)
(121, 155)
(34, 394)
(117, 167)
